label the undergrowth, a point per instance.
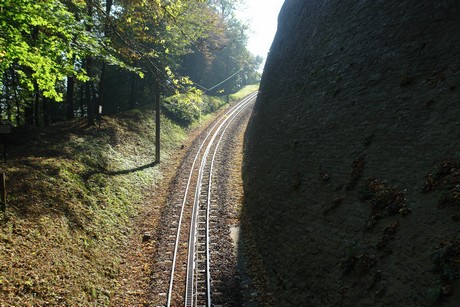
(190, 107)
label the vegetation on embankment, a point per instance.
(73, 192)
(244, 92)
(190, 107)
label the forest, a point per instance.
(81, 84)
(61, 59)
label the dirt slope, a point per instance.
(352, 172)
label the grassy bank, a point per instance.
(73, 193)
(244, 92)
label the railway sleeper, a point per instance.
(201, 218)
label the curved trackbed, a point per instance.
(185, 256)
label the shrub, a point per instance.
(183, 108)
(188, 107)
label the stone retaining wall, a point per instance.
(352, 90)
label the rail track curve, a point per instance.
(187, 255)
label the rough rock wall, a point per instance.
(359, 103)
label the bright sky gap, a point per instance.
(262, 16)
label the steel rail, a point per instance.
(184, 200)
(208, 206)
(192, 237)
(193, 225)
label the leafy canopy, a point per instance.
(44, 42)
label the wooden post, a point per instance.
(99, 116)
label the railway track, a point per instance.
(186, 257)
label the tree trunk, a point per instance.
(32, 115)
(9, 107)
(132, 98)
(94, 97)
(88, 67)
(108, 9)
(46, 111)
(89, 103)
(101, 85)
(36, 106)
(5, 93)
(16, 99)
(8, 82)
(28, 114)
(69, 97)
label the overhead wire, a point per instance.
(143, 53)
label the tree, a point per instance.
(49, 48)
(43, 42)
(226, 54)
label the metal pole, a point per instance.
(228, 95)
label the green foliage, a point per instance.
(185, 108)
(211, 104)
(224, 53)
(43, 41)
(189, 107)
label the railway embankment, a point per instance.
(82, 205)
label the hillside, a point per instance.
(352, 154)
(81, 201)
